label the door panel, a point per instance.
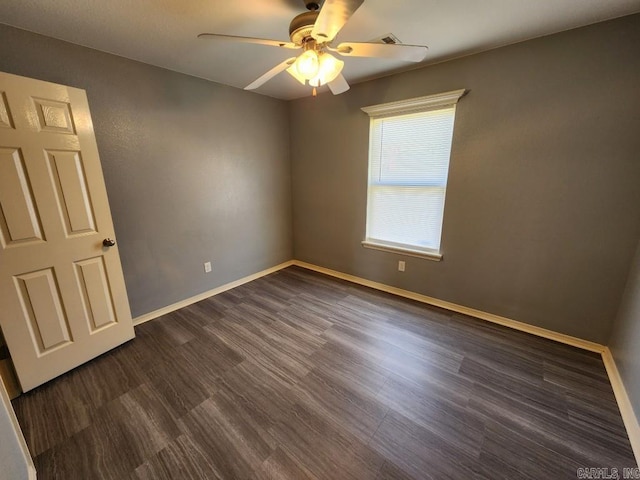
(5, 117)
(20, 221)
(97, 298)
(53, 116)
(42, 309)
(62, 293)
(67, 172)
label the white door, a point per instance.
(62, 294)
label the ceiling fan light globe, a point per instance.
(330, 68)
(308, 64)
(294, 73)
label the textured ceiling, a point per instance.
(163, 32)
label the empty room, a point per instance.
(334, 239)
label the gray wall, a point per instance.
(625, 338)
(195, 171)
(542, 215)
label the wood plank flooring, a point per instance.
(302, 376)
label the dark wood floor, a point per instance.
(301, 376)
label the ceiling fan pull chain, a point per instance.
(315, 92)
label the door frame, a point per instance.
(16, 436)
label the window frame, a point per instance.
(393, 109)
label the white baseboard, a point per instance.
(490, 317)
(624, 403)
(210, 293)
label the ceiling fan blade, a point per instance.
(332, 17)
(339, 85)
(270, 74)
(259, 41)
(409, 53)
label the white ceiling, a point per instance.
(163, 32)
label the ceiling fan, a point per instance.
(313, 32)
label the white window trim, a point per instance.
(402, 107)
(434, 255)
(411, 105)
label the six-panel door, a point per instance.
(62, 294)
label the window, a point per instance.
(409, 150)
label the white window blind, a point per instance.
(408, 169)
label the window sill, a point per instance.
(434, 256)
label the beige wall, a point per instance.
(542, 215)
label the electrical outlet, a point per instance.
(401, 265)
(207, 267)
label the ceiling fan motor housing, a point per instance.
(301, 26)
